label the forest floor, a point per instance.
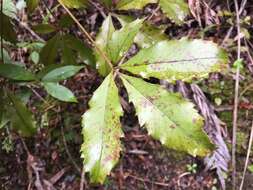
(53, 154)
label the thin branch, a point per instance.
(247, 158)
(148, 181)
(83, 182)
(87, 35)
(1, 24)
(242, 6)
(25, 26)
(235, 112)
(68, 152)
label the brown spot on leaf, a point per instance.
(173, 126)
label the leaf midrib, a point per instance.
(160, 111)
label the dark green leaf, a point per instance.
(85, 52)
(61, 73)
(21, 118)
(59, 92)
(8, 33)
(66, 21)
(15, 72)
(32, 5)
(44, 28)
(68, 56)
(49, 52)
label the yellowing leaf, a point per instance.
(178, 60)
(148, 35)
(176, 10)
(115, 43)
(74, 3)
(121, 40)
(133, 4)
(102, 40)
(168, 117)
(101, 131)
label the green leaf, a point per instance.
(2, 103)
(176, 10)
(74, 3)
(6, 57)
(32, 5)
(44, 28)
(121, 40)
(178, 60)
(148, 34)
(168, 117)
(61, 73)
(48, 69)
(68, 56)
(8, 33)
(102, 131)
(66, 21)
(48, 54)
(250, 168)
(101, 42)
(133, 4)
(21, 118)
(108, 3)
(15, 72)
(9, 8)
(59, 92)
(77, 45)
(35, 57)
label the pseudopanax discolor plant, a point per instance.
(167, 116)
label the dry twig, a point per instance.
(235, 112)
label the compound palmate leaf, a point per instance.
(178, 60)
(102, 131)
(168, 117)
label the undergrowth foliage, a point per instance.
(167, 116)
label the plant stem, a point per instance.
(87, 35)
(235, 112)
(247, 158)
(1, 24)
